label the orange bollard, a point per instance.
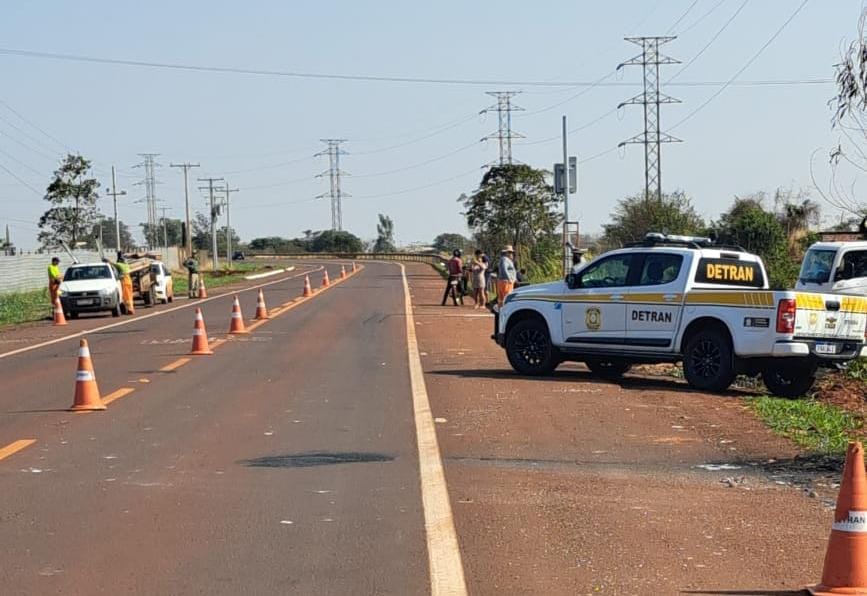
(200, 336)
(86, 390)
(342, 272)
(237, 325)
(845, 570)
(203, 293)
(325, 281)
(308, 291)
(261, 309)
(59, 318)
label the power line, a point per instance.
(419, 164)
(20, 180)
(698, 21)
(745, 66)
(310, 75)
(683, 16)
(709, 43)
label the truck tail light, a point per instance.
(787, 310)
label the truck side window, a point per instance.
(610, 272)
(660, 269)
(854, 264)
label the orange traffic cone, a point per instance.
(203, 293)
(325, 281)
(86, 391)
(308, 291)
(59, 319)
(342, 272)
(237, 325)
(261, 309)
(845, 570)
(200, 336)
(354, 268)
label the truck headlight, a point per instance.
(106, 291)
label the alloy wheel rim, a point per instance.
(706, 359)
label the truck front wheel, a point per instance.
(707, 361)
(789, 379)
(529, 348)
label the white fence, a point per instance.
(22, 273)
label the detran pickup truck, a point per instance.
(681, 299)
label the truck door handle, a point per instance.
(832, 305)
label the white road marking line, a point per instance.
(444, 555)
(143, 317)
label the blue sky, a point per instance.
(260, 132)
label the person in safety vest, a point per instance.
(125, 283)
(54, 280)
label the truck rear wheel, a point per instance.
(789, 379)
(608, 369)
(529, 348)
(707, 361)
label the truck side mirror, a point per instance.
(573, 281)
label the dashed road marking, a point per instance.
(444, 555)
(175, 365)
(115, 395)
(15, 447)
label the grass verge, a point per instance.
(21, 307)
(222, 277)
(812, 424)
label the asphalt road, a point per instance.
(286, 463)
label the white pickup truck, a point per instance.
(835, 267)
(671, 299)
(90, 287)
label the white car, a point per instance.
(835, 267)
(672, 299)
(90, 287)
(164, 289)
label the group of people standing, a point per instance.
(478, 272)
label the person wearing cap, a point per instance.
(54, 280)
(507, 275)
(455, 268)
(192, 266)
(578, 259)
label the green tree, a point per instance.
(201, 238)
(759, 231)
(174, 231)
(513, 205)
(278, 245)
(384, 235)
(108, 235)
(636, 216)
(72, 195)
(449, 241)
(335, 241)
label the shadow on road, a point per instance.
(311, 459)
(748, 592)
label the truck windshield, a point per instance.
(817, 266)
(88, 272)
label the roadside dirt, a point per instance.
(573, 485)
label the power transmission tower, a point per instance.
(150, 182)
(652, 138)
(504, 134)
(228, 193)
(333, 151)
(189, 235)
(215, 212)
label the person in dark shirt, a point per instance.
(455, 267)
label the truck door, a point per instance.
(654, 301)
(594, 310)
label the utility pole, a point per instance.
(114, 195)
(215, 212)
(504, 134)
(150, 182)
(165, 229)
(228, 192)
(566, 181)
(649, 59)
(189, 235)
(333, 151)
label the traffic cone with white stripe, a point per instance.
(308, 291)
(261, 309)
(200, 336)
(203, 293)
(237, 325)
(59, 318)
(343, 272)
(325, 281)
(845, 570)
(354, 268)
(86, 390)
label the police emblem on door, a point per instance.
(593, 319)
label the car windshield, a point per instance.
(816, 268)
(87, 272)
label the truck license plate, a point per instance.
(826, 348)
(85, 302)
